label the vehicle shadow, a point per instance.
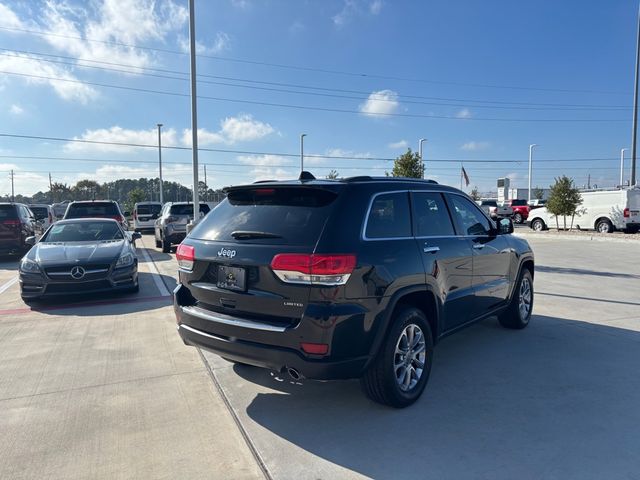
(582, 271)
(154, 255)
(558, 400)
(108, 303)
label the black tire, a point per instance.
(604, 225)
(166, 246)
(517, 218)
(631, 230)
(379, 381)
(513, 317)
(158, 243)
(538, 225)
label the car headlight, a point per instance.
(29, 266)
(125, 260)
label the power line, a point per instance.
(309, 69)
(321, 109)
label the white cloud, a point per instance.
(243, 4)
(58, 78)
(464, 113)
(296, 27)
(400, 144)
(119, 135)
(474, 146)
(16, 109)
(343, 16)
(268, 167)
(220, 44)
(8, 18)
(375, 7)
(25, 183)
(264, 160)
(380, 103)
(242, 128)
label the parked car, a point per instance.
(604, 211)
(356, 278)
(520, 209)
(80, 256)
(171, 226)
(145, 215)
(96, 209)
(494, 210)
(44, 214)
(536, 203)
(17, 224)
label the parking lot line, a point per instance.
(8, 285)
(155, 274)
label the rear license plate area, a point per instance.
(232, 278)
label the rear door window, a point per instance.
(430, 215)
(292, 215)
(389, 216)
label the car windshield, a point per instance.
(40, 212)
(490, 203)
(518, 203)
(90, 210)
(83, 232)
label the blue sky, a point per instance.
(479, 80)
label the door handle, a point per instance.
(478, 246)
(431, 249)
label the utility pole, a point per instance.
(530, 159)
(50, 187)
(420, 142)
(589, 181)
(206, 186)
(302, 151)
(634, 131)
(160, 163)
(622, 166)
(194, 111)
(12, 193)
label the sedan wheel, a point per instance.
(517, 218)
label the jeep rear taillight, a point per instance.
(313, 269)
(185, 254)
(626, 213)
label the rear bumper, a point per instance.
(174, 237)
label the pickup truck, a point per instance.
(520, 210)
(494, 210)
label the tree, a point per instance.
(136, 195)
(332, 175)
(409, 165)
(538, 193)
(475, 194)
(564, 199)
(86, 190)
(60, 192)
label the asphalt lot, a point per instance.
(107, 390)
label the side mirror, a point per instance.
(136, 236)
(31, 241)
(505, 226)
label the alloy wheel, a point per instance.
(524, 298)
(410, 357)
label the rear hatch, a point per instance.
(181, 214)
(235, 245)
(94, 210)
(146, 214)
(10, 226)
(633, 204)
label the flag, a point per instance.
(465, 176)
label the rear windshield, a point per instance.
(148, 209)
(291, 215)
(40, 212)
(83, 232)
(8, 211)
(90, 210)
(188, 209)
(489, 203)
(518, 203)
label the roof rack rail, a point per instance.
(359, 178)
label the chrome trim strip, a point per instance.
(68, 274)
(198, 332)
(236, 322)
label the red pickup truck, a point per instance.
(520, 210)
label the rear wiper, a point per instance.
(246, 234)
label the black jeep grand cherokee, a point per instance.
(356, 278)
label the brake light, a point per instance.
(264, 191)
(12, 222)
(626, 213)
(313, 269)
(315, 348)
(185, 254)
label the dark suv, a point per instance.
(95, 209)
(356, 278)
(17, 224)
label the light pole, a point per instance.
(160, 163)
(622, 166)
(420, 142)
(634, 130)
(530, 158)
(302, 151)
(194, 112)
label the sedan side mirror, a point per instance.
(31, 241)
(136, 236)
(505, 226)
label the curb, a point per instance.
(548, 235)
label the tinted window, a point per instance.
(40, 212)
(290, 215)
(470, 220)
(188, 209)
(83, 232)
(518, 203)
(89, 210)
(389, 216)
(8, 211)
(489, 203)
(430, 215)
(148, 209)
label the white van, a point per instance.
(603, 210)
(145, 215)
(43, 213)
